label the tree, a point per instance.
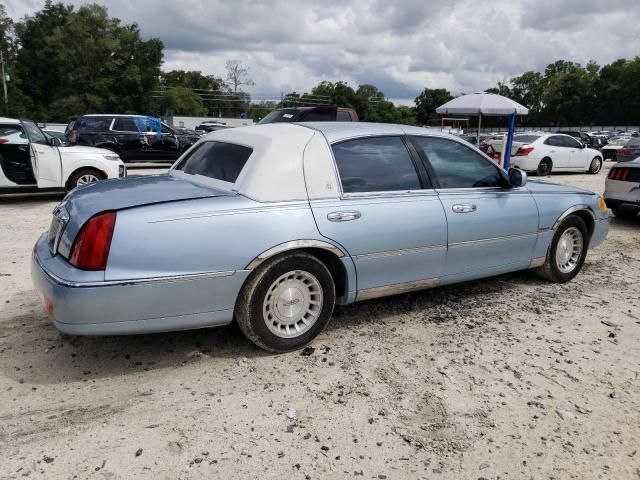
(428, 101)
(182, 101)
(237, 75)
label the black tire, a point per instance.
(250, 305)
(76, 179)
(627, 212)
(544, 167)
(550, 270)
(595, 166)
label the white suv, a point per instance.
(30, 160)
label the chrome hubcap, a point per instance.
(595, 165)
(293, 304)
(569, 250)
(87, 178)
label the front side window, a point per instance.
(34, 133)
(571, 142)
(378, 164)
(218, 160)
(458, 166)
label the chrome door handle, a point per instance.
(465, 208)
(343, 216)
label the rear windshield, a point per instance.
(12, 133)
(280, 116)
(525, 138)
(222, 161)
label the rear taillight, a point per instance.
(90, 249)
(619, 174)
(522, 151)
(625, 151)
(4, 140)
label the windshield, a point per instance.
(279, 116)
(218, 160)
(525, 138)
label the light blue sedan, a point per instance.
(273, 225)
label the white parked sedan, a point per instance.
(546, 152)
(29, 160)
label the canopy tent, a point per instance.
(487, 104)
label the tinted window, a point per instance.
(571, 142)
(316, 115)
(525, 138)
(279, 116)
(457, 166)
(222, 161)
(34, 133)
(379, 164)
(125, 124)
(94, 124)
(554, 141)
(343, 116)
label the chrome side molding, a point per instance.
(293, 245)
(387, 290)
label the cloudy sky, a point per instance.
(401, 46)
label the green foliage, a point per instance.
(428, 101)
(182, 101)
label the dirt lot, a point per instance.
(509, 377)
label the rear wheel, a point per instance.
(567, 252)
(595, 166)
(544, 167)
(286, 302)
(625, 211)
(85, 176)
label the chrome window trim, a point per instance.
(390, 193)
(398, 288)
(404, 251)
(294, 245)
(135, 281)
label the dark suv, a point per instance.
(136, 138)
(583, 137)
(311, 114)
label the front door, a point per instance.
(491, 228)
(558, 151)
(575, 153)
(46, 162)
(388, 218)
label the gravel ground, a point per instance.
(508, 377)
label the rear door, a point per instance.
(491, 228)
(558, 151)
(46, 162)
(387, 217)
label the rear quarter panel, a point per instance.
(202, 236)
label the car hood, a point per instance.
(85, 201)
(82, 150)
(542, 186)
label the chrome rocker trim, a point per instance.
(294, 245)
(405, 251)
(398, 288)
(136, 281)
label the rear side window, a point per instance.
(525, 138)
(458, 166)
(343, 116)
(379, 164)
(125, 124)
(555, 141)
(11, 133)
(92, 124)
(222, 161)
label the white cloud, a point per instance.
(401, 47)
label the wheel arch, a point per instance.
(582, 211)
(329, 254)
(83, 167)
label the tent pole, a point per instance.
(507, 152)
(479, 123)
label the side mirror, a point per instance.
(517, 177)
(55, 141)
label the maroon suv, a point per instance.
(311, 114)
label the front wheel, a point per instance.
(286, 302)
(567, 252)
(85, 176)
(595, 166)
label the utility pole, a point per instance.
(4, 79)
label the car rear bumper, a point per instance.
(78, 307)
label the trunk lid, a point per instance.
(85, 201)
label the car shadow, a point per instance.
(33, 351)
(35, 197)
